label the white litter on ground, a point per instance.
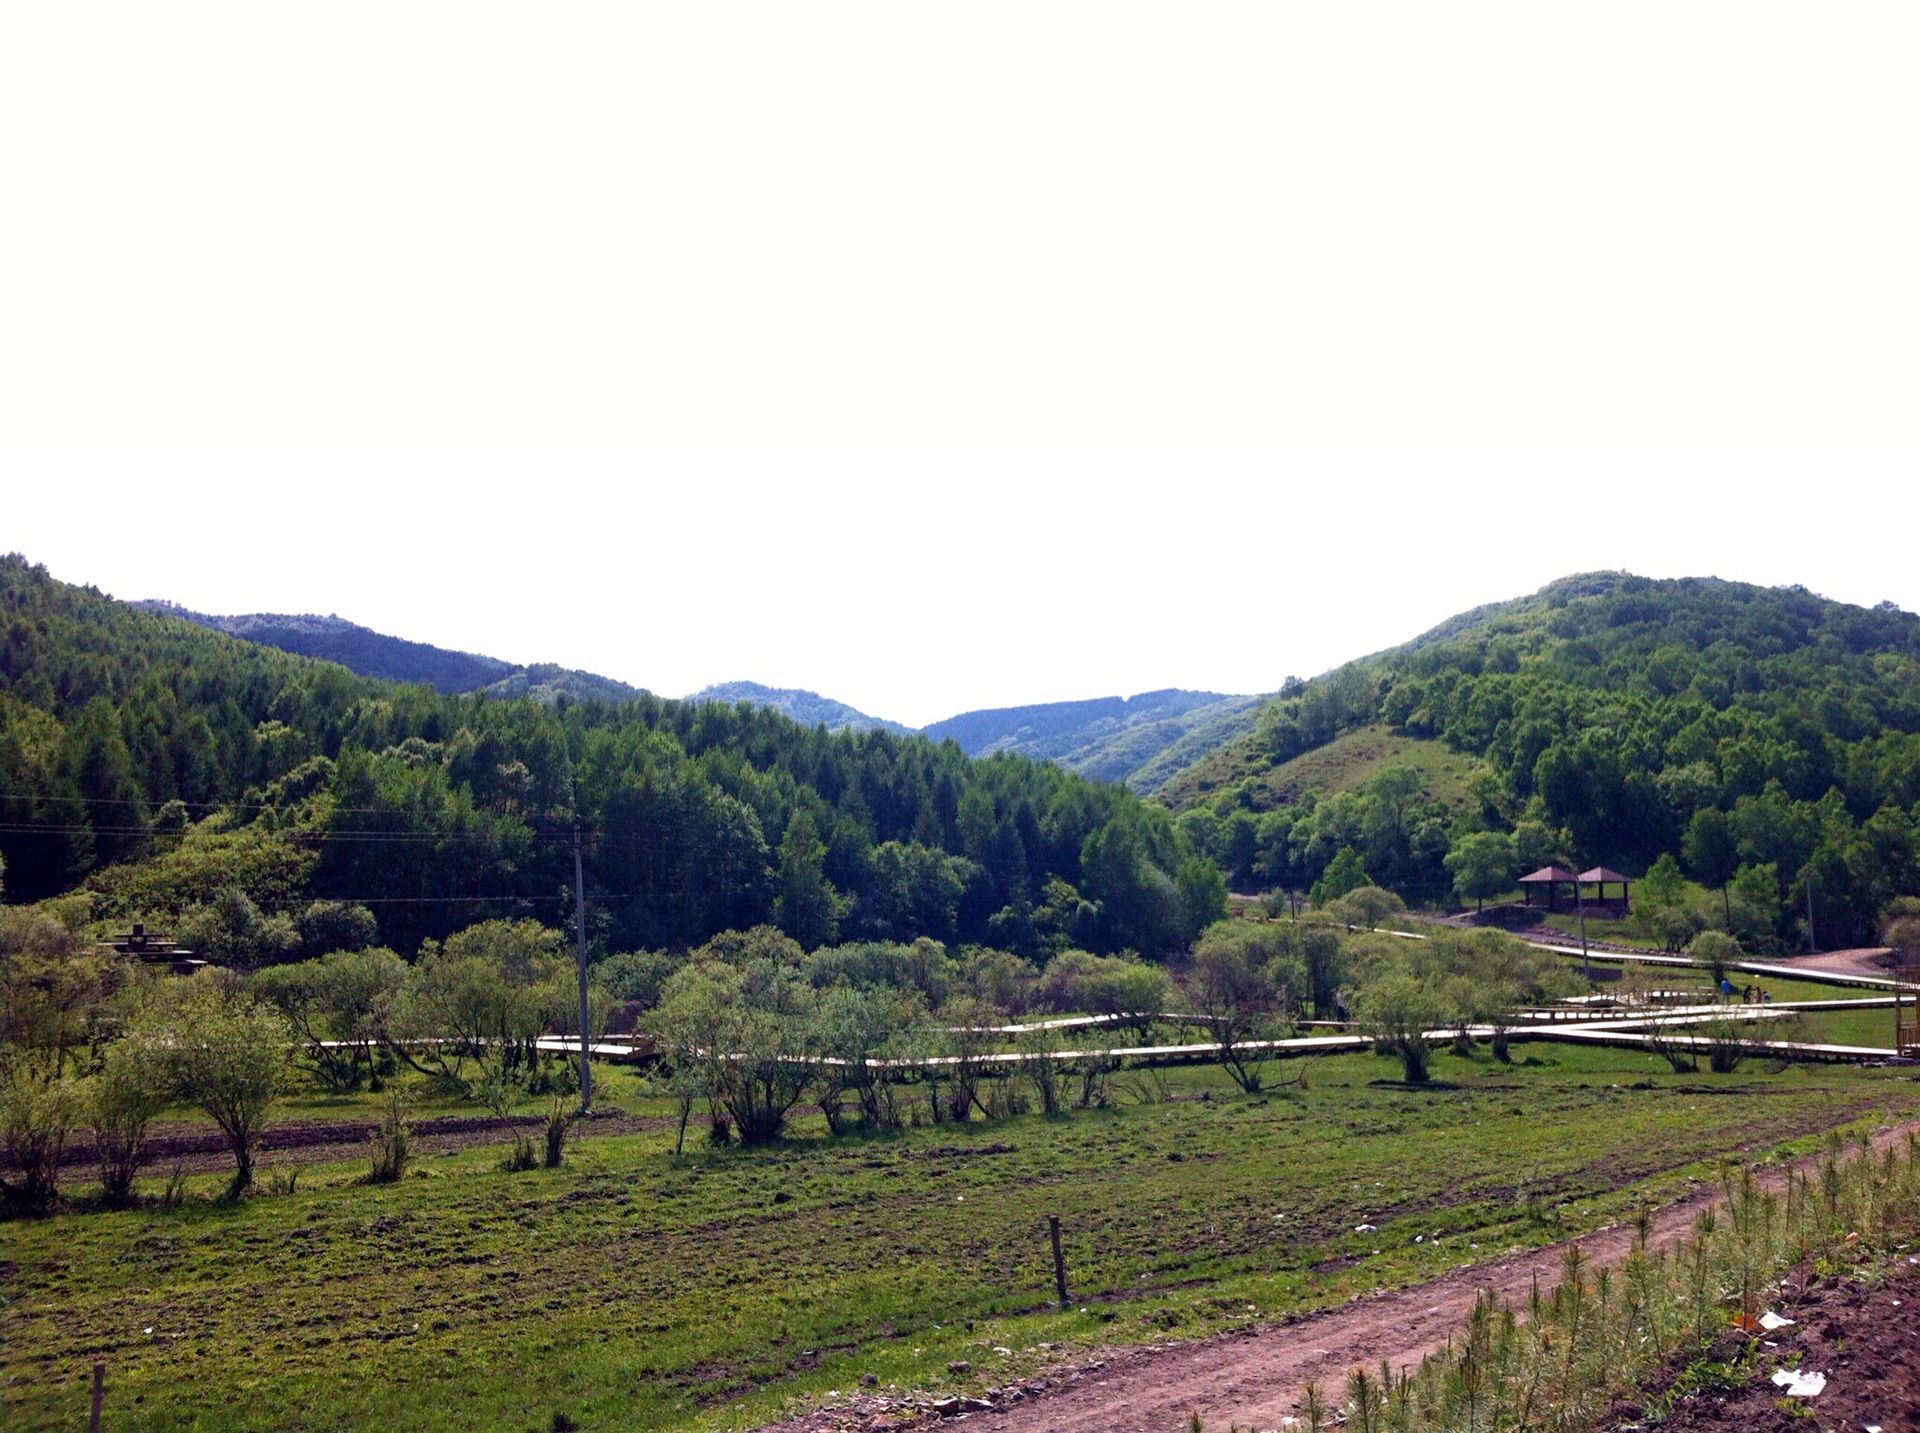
(1799, 1383)
(1771, 1321)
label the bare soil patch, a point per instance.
(1863, 1338)
(1866, 960)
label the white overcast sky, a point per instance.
(938, 356)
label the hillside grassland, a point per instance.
(1347, 763)
(635, 1289)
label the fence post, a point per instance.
(1059, 1262)
(99, 1389)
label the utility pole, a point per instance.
(580, 941)
(1812, 945)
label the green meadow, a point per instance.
(636, 1289)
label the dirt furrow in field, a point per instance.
(197, 1148)
(1257, 1378)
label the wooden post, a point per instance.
(1586, 961)
(580, 936)
(99, 1391)
(1059, 1261)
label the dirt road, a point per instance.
(1866, 960)
(1257, 1379)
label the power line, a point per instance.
(197, 805)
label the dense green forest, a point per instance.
(1766, 737)
(253, 800)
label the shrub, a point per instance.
(37, 1113)
(121, 1101)
(559, 1119)
(225, 1052)
(522, 1156)
(1093, 1073)
(175, 1194)
(1003, 1097)
(1042, 1067)
(1396, 1010)
(1716, 950)
(391, 1142)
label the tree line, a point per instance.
(164, 770)
(749, 1028)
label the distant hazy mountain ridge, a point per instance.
(809, 708)
(1140, 740)
(1128, 739)
(359, 649)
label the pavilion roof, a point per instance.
(1550, 875)
(1605, 876)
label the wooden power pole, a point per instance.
(580, 942)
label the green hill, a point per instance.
(1350, 762)
(545, 682)
(1136, 740)
(807, 708)
(360, 649)
(1597, 718)
(175, 774)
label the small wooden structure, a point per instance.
(1552, 878)
(1906, 1012)
(142, 945)
(1600, 877)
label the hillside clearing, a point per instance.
(1347, 763)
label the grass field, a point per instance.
(635, 1290)
(1349, 762)
(1346, 763)
(1849, 1027)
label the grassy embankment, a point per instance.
(635, 1290)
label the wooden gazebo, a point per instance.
(1600, 877)
(151, 949)
(1552, 878)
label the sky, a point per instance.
(944, 356)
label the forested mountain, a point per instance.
(1138, 740)
(360, 649)
(1761, 734)
(254, 799)
(1141, 741)
(374, 654)
(807, 708)
(545, 682)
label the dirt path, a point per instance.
(1257, 1378)
(1866, 960)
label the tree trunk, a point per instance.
(242, 1165)
(686, 1113)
